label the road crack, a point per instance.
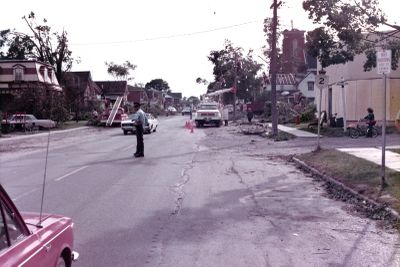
(258, 210)
(178, 188)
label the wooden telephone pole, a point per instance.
(273, 67)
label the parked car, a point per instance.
(25, 241)
(29, 121)
(186, 111)
(128, 125)
(171, 110)
(152, 123)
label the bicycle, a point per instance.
(358, 129)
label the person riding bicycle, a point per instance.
(370, 121)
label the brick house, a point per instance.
(111, 90)
(81, 90)
(177, 99)
(135, 94)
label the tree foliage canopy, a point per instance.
(120, 71)
(229, 62)
(41, 44)
(349, 28)
(158, 84)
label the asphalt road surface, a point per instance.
(213, 197)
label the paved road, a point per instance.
(209, 198)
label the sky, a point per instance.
(165, 39)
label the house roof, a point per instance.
(285, 79)
(132, 88)
(112, 87)
(154, 90)
(81, 80)
(176, 95)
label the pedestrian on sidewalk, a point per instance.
(139, 125)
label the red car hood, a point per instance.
(48, 220)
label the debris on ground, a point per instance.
(358, 203)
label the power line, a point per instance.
(169, 36)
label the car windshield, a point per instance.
(22, 117)
(208, 107)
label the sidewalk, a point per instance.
(392, 160)
(7, 137)
(373, 154)
(294, 131)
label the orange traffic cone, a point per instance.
(187, 125)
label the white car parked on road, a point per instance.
(128, 125)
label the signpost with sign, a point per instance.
(321, 81)
(384, 61)
(384, 65)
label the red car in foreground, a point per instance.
(25, 241)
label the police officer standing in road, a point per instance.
(139, 124)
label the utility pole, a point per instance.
(273, 67)
(235, 87)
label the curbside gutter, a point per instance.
(338, 185)
(33, 135)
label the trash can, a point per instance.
(339, 122)
(332, 122)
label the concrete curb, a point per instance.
(33, 135)
(342, 186)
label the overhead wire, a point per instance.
(167, 36)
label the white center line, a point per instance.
(70, 173)
(24, 194)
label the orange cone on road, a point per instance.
(187, 125)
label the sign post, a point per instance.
(384, 65)
(321, 80)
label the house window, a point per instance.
(18, 74)
(41, 71)
(295, 47)
(50, 74)
(310, 86)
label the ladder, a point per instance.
(114, 111)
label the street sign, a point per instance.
(384, 61)
(322, 81)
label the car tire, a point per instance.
(61, 262)
(125, 132)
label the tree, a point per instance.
(120, 72)
(42, 44)
(350, 28)
(193, 100)
(230, 62)
(158, 84)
